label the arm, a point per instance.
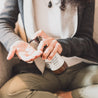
(82, 44)
(8, 18)
(12, 42)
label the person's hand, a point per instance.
(24, 51)
(53, 46)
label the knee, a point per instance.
(13, 87)
(85, 77)
(90, 75)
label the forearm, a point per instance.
(7, 36)
(8, 18)
(77, 47)
(82, 44)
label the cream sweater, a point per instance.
(53, 21)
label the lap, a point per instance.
(30, 82)
(74, 77)
(78, 76)
(85, 77)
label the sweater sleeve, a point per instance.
(82, 44)
(8, 18)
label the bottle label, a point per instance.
(55, 63)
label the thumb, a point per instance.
(38, 33)
(11, 53)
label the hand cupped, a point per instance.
(24, 51)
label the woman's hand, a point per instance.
(52, 48)
(24, 51)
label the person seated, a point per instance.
(66, 28)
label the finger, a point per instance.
(11, 53)
(38, 33)
(59, 50)
(47, 52)
(42, 45)
(49, 49)
(53, 52)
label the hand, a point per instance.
(53, 46)
(24, 51)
